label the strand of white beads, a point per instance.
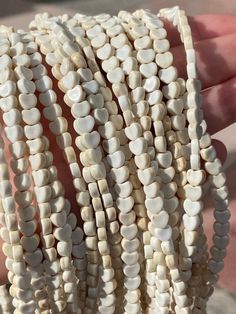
(195, 178)
(177, 140)
(20, 276)
(43, 178)
(100, 114)
(91, 157)
(130, 257)
(58, 126)
(135, 30)
(64, 221)
(24, 178)
(219, 191)
(120, 174)
(146, 56)
(5, 300)
(210, 267)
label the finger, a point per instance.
(203, 27)
(219, 105)
(221, 150)
(3, 272)
(215, 59)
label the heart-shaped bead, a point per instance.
(96, 101)
(218, 180)
(125, 204)
(91, 140)
(163, 234)
(221, 242)
(215, 267)
(194, 193)
(34, 258)
(80, 109)
(75, 94)
(116, 160)
(168, 75)
(111, 145)
(192, 208)
(164, 60)
(59, 219)
(191, 222)
(14, 133)
(110, 64)
(63, 234)
(31, 116)
(85, 74)
(155, 205)
(160, 220)
(11, 117)
(167, 174)
(120, 175)
(218, 255)
(139, 146)
(123, 189)
(99, 41)
(222, 216)
(196, 177)
(134, 131)
(84, 125)
(148, 69)
(171, 204)
(142, 161)
(146, 176)
(221, 229)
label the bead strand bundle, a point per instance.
(139, 157)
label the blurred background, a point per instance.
(19, 13)
(22, 11)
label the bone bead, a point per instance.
(155, 205)
(148, 69)
(168, 75)
(132, 283)
(84, 125)
(110, 64)
(105, 52)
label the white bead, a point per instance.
(116, 75)
(138, 146)
(116, 160)
(105, 52)
(142, 43)
(43, 84)
(84, 125)
(81, 109)
(11, 117)
(8, 88)
(163, 234)
(99, 41)
(75, 94)
(160, 220)
(119, 40)
(110, 64)
(132, 283)
(151, 84)
(123, 52)
(148, 70)
(168, 75)
(155, 205)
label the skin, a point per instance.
(215, 43)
